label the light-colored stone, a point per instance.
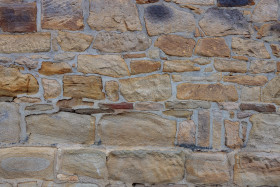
(31, 64)
(264, 135)
(62, 14)
(262, 66)
(112, 90)
(26, 43)
(61, 128)
(186, 133)
(67, 178)
(147, 106)
(203, 128)
(266, 10)
(27, 184)
(120, 15)
(269, 32)
(215, 77)
(9, 123)
(27, 162)
(27, 100)
(249, 47)
(149, 88)
(84, 162)
(251, 94)
(233, 140)
(248, 80)
(222, 22)
(108, 65)
(228, 106)
(207, 92)
(181, 105)
(82, 86)
(270, 93)
(137, 129)
(212, 47)
(6, 185)
(257, 169)
(235, 66)
(52, 88)
(175, 45)
(74, 41)
(146, 166)
(64, 57)
(179, 66)
(275, 50)
(207, 168)
(5, 59)
(217, 129)
(13, 83)
(162, 19)
(54, 68)
(74, 102)
(144, 66)
(179, 113)
(111, 42)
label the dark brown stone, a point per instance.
(146, 1)
(116, 106)
(258, 107)
(242, 115)
(20, 17)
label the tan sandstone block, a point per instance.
(235, 66)
(52, 88)
(266, 10)
(179, 66)
(112, 90)
(212, 47)
(144, 66)
(233, 140)
(203, 129)
(270, 93)
(247, 80)
(54, 68)
(186, 133)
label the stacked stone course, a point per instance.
(137, 93)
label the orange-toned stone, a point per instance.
(144, 66)
(53, 68)
(212, 47)
(247, 80)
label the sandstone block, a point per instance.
(68, 104)
(248, 80)
(54, 68)
(146, 1)
(144, 66)
(217, 129)
(181, 105)
(186, 133)
(269, 32)
(212, 47)
(266, 10)
(235, 66)
(179, 113)
(193, 2)
(179, 66)
(236, 3)
(251, 94)
(112, 90)
(203, 131)
(233, 140)
(146, 106)
(270, 92)
(275, 50)
(258, 107)
(52, 88)
(262, 66)
(29, 63)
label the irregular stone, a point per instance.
(144, 66)
(6, 99)
(222, 22)
(74, 41)
(90, 111)
(67, 178)
(12, 82)
(27, 184)
(108, 65)
(203, 131)
(235, 3)
(233, 140)
(258, 107)
(40, 107)
(82, 86)
(52, 88)
(140, 55)
(242, 115)
(38, 56)
(235, 66)
(270, 93)
(243, 58)
(269, 32)
(207, 92)
(5, 60)
(112, 90)
(275, 50)
(181, 105)
(31, 64)
(217, 129)
(27, 162)
(54, 68)
(146, 1)
(146, 106)
(264, 135)
(146, 166)
(251, 94)
(207, 168)
(27, 100)
(71, 103)
(20, 17)
(6, 185)
(179, 66)
(212, 47)
(262, 66)
(64, 57)
(175, 45)
(149, 88)
(186, 133)
(216, 77)
(154, 53)
(266, 10)
(117, 15)
(9, 123)
(62, 14)
(114, 106)
(179, 113)
(111, 42)
(26, 43)
(137, 129)
(62, 127)
(202, 61)
(249, 47)
(228, 106)
(84, 162)
(193, 2)
(247, 80)
(162, 19)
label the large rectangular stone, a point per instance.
(203, 131)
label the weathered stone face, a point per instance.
(212, 47)
(179, 66)
(27, 162)
(52, 88)
(270, 92)
(266, 10)
(203, 130)
(144, 66)
(186, 133)
(62, 127)
(269, 32)
(146, 166)
(112, 90)
(137, 129)
(54, 68)
(235, 3)
(259, 80)
(235, 66)
(233, 139)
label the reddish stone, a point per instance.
(258, 107)
(116, 106)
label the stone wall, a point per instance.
(134, 93)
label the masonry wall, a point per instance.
(122, 93)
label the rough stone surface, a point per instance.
(144, 66)
(175, 45)
(207, 92)
(266, 10)
(13, 83)
(203, 130)
(147, 106)
(62, 127)
(259, 80)
(29, 63)
(235, 3)
(74, 41)
(111, 42)
(149, 88)
(67, 104)
(181, 105)
(178, 113)
(207, 168)
(270, 92)
(230, 66)
(258, 107)
(146, 166)
(108, 65)
(112, 90)
(62, 14)
(262, 66)
(217, 129)
(222, 22)
(179, 66)
(186, 133)
(39, 107)
(121, 15)
(82, 86)
(269, 32)
(212, 47)
(137, 129)
(27, 162)
(233, 139)
(52, 88)
(251, 94)
(275, 50)
(193, 2)
(162, 19)
(54, 68)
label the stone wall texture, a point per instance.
(139, 93)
